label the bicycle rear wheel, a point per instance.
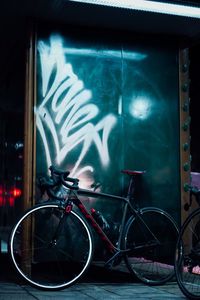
(151, 237)
(50, 248)
(187, 263)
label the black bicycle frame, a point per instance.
(74, 198)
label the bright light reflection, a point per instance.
(150, 6)
(140, 108)
(105, 53)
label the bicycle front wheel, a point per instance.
(151, 237)
(187, 263)
(50, 248)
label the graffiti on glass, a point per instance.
(67, 111)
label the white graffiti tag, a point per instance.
(66, 111)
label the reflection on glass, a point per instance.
(140, 108)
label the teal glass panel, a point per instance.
(151, 125)
(103, 105)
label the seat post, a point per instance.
(131, 187)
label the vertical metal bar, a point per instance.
(184, 128)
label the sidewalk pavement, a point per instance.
(99, 284)
(91, 291)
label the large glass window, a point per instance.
(105, 103)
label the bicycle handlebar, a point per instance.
(58, 177)
(193, 191)
(64, 177)
(48, 184)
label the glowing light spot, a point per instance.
(140, 108)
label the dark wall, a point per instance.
(12, 89)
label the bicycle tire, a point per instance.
(187, 260)
(46, 258)
(152, 265)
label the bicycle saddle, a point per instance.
(132, 173)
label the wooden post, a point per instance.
(29, 141)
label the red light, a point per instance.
(1, 196)
(11, 201)
(9, 197)
(16, 192)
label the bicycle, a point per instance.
(187, 259)
(52, 244)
